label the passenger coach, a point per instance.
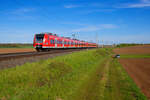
(48, 41)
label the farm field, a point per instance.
(15, 50)
(16, 45)
(136, 61)
(84, 75)
(145, 49)
(139, 70)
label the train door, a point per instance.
(55, 42)
(63, 43)
(52, 43)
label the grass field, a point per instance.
(85, 75)
(127, 45)
(15, 45)
(135, 56)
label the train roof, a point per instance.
(67, 38)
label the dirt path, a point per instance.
(93, 88)
(109, 81)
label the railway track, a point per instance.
(29, 54)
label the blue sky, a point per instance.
(114, 21)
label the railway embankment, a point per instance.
(84, 75)
(17, 59)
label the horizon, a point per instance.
(110, 22)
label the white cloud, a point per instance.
(143, 3)
(22, 10)
(146, 1)
(97, 11)
(21, 14)
(95, 28)
(73, 23)
(72, 6)
(139, 5)
(86, 29)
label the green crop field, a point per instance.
(127, 45)
(84, 75)
(135, 56)
(15, 45)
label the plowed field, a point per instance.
(133, 50)
(15, 50)
(137, 68)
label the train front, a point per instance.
(38, 41)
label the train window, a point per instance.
(59, 42)
(52, 41)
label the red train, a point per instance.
(48, 41)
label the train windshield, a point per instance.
(39, 38)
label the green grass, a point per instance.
(135, 56)
(15, 45)
(84, 75)
(127, 45)
(120, 86)
(48, 79)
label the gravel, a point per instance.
(20, 61)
